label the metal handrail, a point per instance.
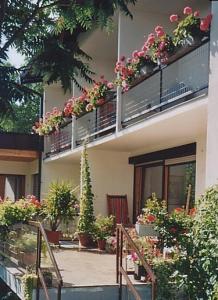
(121, 233)
(41, 233)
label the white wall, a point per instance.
(57, 171)
(212, 128)
(55, 97)
(111, 174)
(20, 168)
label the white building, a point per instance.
(161, 135)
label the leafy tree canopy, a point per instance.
(47, 33)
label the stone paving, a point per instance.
(81, 268)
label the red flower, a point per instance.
(141, 53)
(135, 54)
(187, 10)
(151, 218)
(174, 18)
(204, 26)
(192, 211)
(158, 28)
(122, 58)
(178, 210)
(173, 230)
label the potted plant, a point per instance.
(153, 211)
(104, 227)
(191, 29)
(86, 218)
(60, 206)
(159, 46)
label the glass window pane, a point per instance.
(180, 177)
(153, 182)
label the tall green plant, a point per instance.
(60, 204)
(87, 219)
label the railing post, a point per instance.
(119, 109)
(117, 255)
(38, 261)
(73, 136)
(121, 264)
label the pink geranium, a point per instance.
(196, 13)
(187, 10)
(174, 18)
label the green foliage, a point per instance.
(166, 289)
(86, 219)
(15, 212)
(27, 243)
(28, 283)
(104, 227)
(198, 268)
(60, 204)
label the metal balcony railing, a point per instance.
(59, 141)
(95, 124)
(185, 77)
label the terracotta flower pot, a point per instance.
(85, 239)
(53, 236)
(101, 244)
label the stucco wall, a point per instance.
(57, 171)
(111, 174)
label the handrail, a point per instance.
(122, 232)
(41, 233)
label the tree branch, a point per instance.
(20, 30)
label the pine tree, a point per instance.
(87, 218)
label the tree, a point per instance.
(47, 32)
(87, 219)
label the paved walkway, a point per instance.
(80, 268)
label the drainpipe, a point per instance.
(41, 143)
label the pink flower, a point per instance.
(160, 33)
(135, 54)
(141, 53)
(161, 46)
(110, 85)
(151, 39)
(196, 13)
(158, 28)
(187, 10)
(174, 18)
(144, 48)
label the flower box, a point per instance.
(145, 230)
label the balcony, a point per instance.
(185, 77)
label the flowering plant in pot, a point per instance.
(50, 123)
(104, 227)
(190, 29)
(153, 211)
(97, 95)
(76, 106)
(60, 206)
(159, 45)
(131, 68)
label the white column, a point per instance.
(73, 138)
(212, 126)
(119, 93)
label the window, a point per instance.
(170, 181)
(35, 185)
(12, 186)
